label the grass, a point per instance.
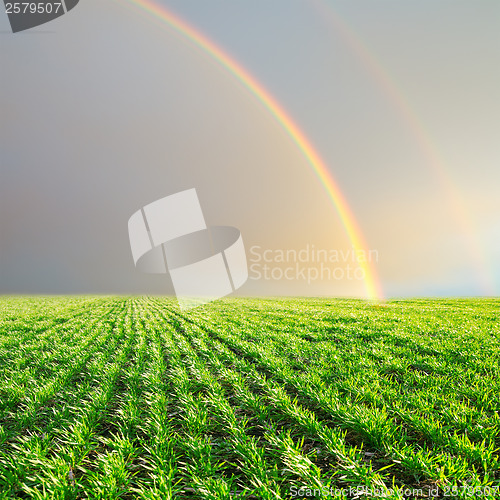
(113, 397)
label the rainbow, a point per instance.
(372, 284)
(395, 95)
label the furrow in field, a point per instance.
(456, 429)
(37, 354)
(179, 454)
(273, 409)
(118, 462)
(18, 327)
(71, 451)
(28, 403)
(299, 470)
(259, 469)
(33, 384)
(372, 426)
(385, 367)
(436, 429)
(161, 453)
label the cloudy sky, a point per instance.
(108, 108)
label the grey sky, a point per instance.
(105, 110)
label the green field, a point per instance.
(113, 397)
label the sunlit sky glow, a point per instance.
(110, 108)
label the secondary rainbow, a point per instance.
(372, 284)
(396, 96)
